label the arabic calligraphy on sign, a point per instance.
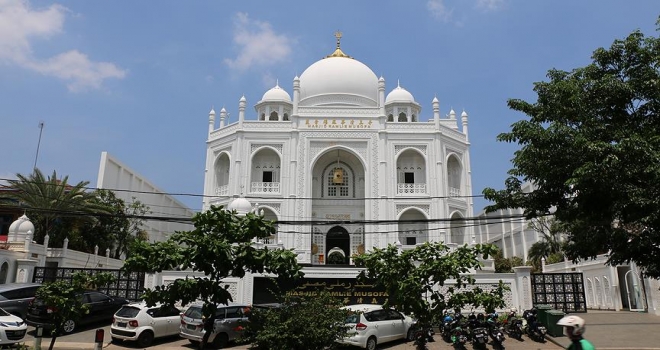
(337, 123)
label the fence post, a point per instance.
(39, 333)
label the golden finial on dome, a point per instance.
(338, 52)
(338, 36)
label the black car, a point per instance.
(101, 308)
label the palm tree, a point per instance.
(55, 207)
(550, 245)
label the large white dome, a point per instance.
(338, 80)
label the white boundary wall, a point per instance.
(519, 296)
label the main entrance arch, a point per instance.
(338, 191)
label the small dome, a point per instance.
(276, 94)
(399, 94)
(241, 205)
(21, 227)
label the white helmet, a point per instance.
(573, 321)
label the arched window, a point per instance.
(390, 118)
(457, 229)
(403, 117)
(414, 118)
(273, 116)
(286, 117)
(263, 116)
(454, 176)
(338, 182)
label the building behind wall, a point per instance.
(344, 166)
(508, 230)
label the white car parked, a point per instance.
(137, 322)
(371, 325)
(12, 328)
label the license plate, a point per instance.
(121, 324)
(191, 326)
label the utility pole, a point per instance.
(41, 130)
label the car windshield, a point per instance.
(194, 312)
(4, 313)
(128, 311)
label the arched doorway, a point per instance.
(337, 245)
(3, 272)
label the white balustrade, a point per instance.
(222, 190)
(404, 188)
(265, 187)
(454, 192)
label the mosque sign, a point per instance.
(349, 290)
(337, 123)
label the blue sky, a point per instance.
(138, 78)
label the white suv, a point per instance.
(143, 324)
(371, 325)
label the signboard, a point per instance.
(349, 290)
(337, 123)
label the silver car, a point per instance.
(227, 326)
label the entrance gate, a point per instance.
(562, 291)
(129, 285)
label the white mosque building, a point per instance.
(343, 166)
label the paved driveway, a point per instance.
(84, 339)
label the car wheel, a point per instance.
(68, 326)
(371, 343)
(145, 339)
(411, 334)
(221, 340)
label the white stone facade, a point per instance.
(343, 167)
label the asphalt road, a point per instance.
(84, 339)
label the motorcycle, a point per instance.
(458, 333)
(533, 328)
(478, 330)
(514, 326)
(495, 330)
(446, 327)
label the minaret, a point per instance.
(436, 112)
(241, 110)
(211, 120)
(381, 95)
(296, 94)
(464, 119)
(223, 116)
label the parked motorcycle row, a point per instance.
(481, 329)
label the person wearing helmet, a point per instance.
(574, 328)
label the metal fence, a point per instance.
(129, 285)
(562, 291)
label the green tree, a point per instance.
(550, 247)
(412, 279)
(119, 228)
(54, 206)
(220, 246)
(301, 323)
(65, 298)
(506, 265)
(591, 146)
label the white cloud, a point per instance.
(20, 24)
(489, 5)
(259, 44)
(439, 10)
